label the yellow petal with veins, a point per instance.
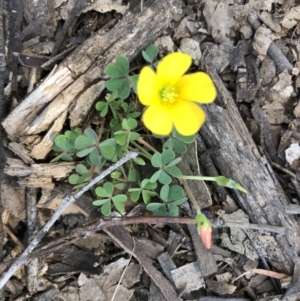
(187, 117)
(197, 87)
(157, 119)
(147, 90)
(172, 67)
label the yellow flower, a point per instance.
(171, 97)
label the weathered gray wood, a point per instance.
(85, 67)
(237, 157)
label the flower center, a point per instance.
(168, 94)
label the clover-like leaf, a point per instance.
(90, 133)
(176, 192)
(113, 70)
(129, 124)
(83, 142)
(85, 152)
(156, 160)
(164, 192)
(185, 139)
(174, 171)
(154, 206)
(118, 201)
(123, 64)
(134, 175)
(173, 210)
(114, 84)
(133, 82)
(150, 53)
(167, 156)
(139, 161)
(108, 148)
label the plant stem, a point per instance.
(142, 151)
(190, 195)
(212, 179)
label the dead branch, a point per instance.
(66, 202)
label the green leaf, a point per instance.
(109, 187)
(113, 70)
(90, 133)
(62, 156)
(66, 157)
(164, 192)
(115, 174)
(61, 142)
(223, 181)
(148, 185)
(123, 64)
(180, 201)
(120, 185)
(173, 210)
(164, 178)
(100, 105)
(129, 124)
(118, 201)
(81, 169)
(104, 112)
(169, 143)
(108, 148)
(156, 160)
(133, 136)
(174, 162)
(124, 89)
(100, 202)
(135, 194)
(167, 156)
(133, 82)
(155, 176)
(95, 158)
(154, 206)
(162, 211)
(85, 152)
(112, 96)
(147, 195)
(139, 161)
(174, 171)
(73, 179)
(114, 84)
(185, 139)
(121, 137)
(150, 53)
(100, 191)
(106, 208)
(134, 175)
(179, 146)
(176, 193)
(83, 142)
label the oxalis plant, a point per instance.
(171, 115)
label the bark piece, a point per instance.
(190, 167)
(16, 168)
(239, 159)
(41, 150)
(21, 152)
(167, 264)
(188, 277)
(84, 68)
(123, 239)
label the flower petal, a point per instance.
(157, 119)
(147, 90)
(187, 117)
(197, 87)
(172, 67)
